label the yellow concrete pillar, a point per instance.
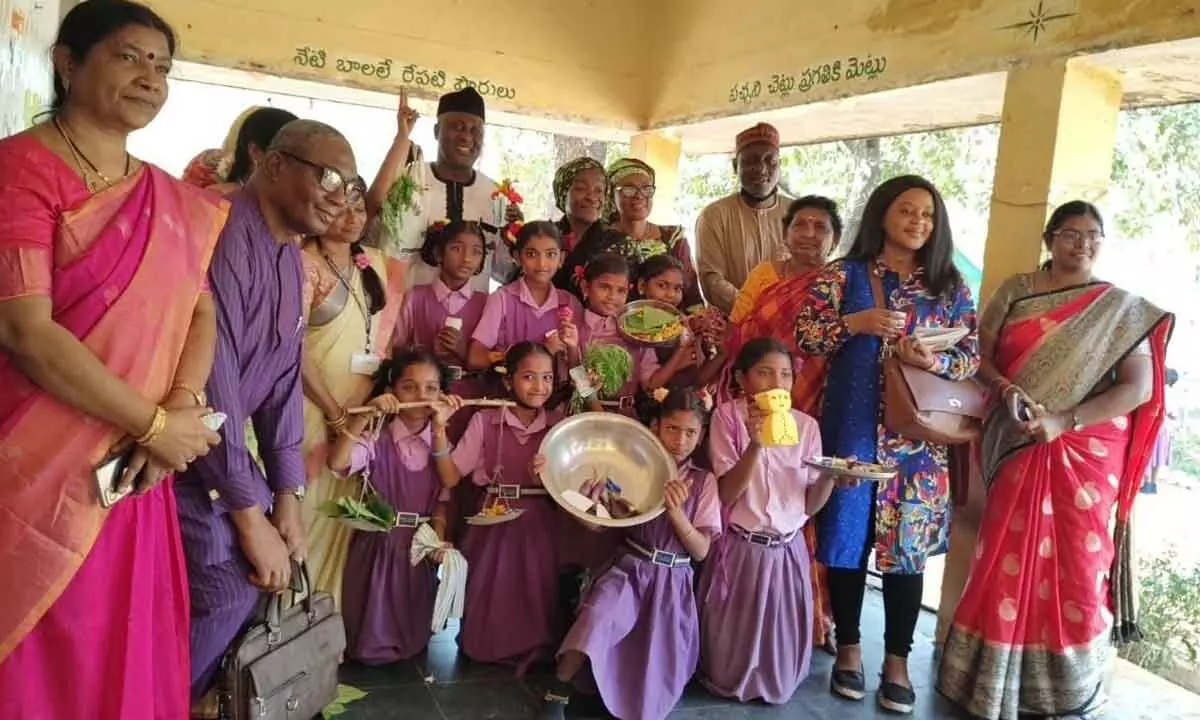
(1057, 134)
(662, 152)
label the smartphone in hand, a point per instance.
(1019, 408)
(108, 474)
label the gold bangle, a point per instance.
(339, 422)
(157, 425)
(197, 395)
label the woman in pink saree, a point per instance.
(1078, 368)
(106, 340)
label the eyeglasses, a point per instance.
(331, 180)
(1075, 237)
(629, 191)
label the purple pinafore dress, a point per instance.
(520, 322)
(638, 624)
(428, 318)
(387, 604)
(511, 614)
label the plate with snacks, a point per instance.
(496, 513)
(649, 322)
(851, 468)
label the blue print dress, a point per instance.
(912, 511)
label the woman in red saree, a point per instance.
(1050, 588)
(106, 335)
(812, 228)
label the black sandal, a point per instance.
(896, 698)
(848, 684)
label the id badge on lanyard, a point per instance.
(366, 362)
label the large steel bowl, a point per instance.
(614, 445)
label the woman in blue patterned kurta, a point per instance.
(905, 239)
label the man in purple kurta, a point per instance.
(241, 525)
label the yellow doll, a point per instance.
(779, 427)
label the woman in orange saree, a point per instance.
(812, 227)
(106, 334)
(1078, 366)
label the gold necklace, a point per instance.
(81, 160)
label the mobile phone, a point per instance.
(108, 474)
(1019, 408)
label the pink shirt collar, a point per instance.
(505, 416)
(401, 433)
(598, 324)
(526, 297)
(443, 292)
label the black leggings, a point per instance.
(901, 601)
(901, 607)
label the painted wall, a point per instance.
(726, 59)
(26, 33)
(576, 60)
(637, 65)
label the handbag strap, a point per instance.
(876, 288)
(301, 583)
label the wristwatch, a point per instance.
(297, 493)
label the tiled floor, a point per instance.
(441, 686)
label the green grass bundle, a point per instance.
(610, 366)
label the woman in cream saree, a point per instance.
(1050, 589)
(349, 323)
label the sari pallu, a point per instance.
(96, 596)
(1049, 590)
(774, 316)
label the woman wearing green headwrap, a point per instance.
(630, 200)
(580, 189)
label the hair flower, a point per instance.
(578, 273)
(361, 261)
(660, 394)
(510, 232)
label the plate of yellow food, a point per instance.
(649, 322)
(495, 513)
(851, 468)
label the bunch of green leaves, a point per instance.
(399, 201)
(610, 365)
(371, 510)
